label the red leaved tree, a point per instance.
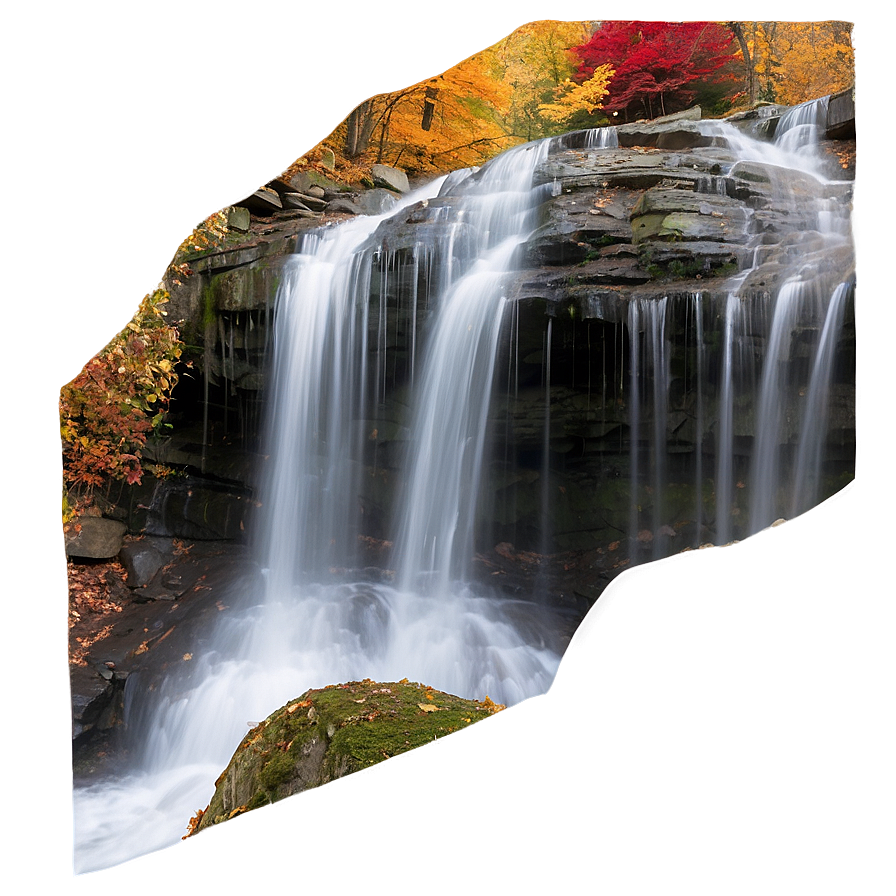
(658, 65)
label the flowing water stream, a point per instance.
(338, 361)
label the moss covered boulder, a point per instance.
(331, 732)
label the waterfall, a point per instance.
(396, 349)
(816, 411)
(602, 138)
(733, 340)
(771, 412)
(436, 533)
(296, 627)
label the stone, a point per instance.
(328, 158)
(91, 695)
(841, 119)
(391, 178)
(666, 214)
(141, 562)
(344, 206)
(376, 201)
(665, 134)
(292, 200)
(328, 733)
(238, 219)
(246, 286)
(302, 180)
(94, 537)
(315, 203)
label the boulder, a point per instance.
(302, 180)
(329, 732)
(94, 537)
(391, 178)
(246, 286)
(141, 561)
(366, 202)
(238, 219)
(96, 699)
(344, 206)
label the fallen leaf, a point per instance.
(428, 707)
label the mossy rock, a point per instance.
(330, 732)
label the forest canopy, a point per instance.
(549, 77)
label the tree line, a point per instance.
(547, 77)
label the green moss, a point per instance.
(260, 799)
(330, 732)
(276, 771)
(208, 306)
(394, 723)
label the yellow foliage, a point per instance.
(799, 61)
(532, 62)
(464, 116)
(443, 123)
(584, 97)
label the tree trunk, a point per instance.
(359, 126)
(749, 65)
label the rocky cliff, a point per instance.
(669, 213)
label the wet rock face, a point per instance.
(330, 732)
(669, 214)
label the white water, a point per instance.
(449, 426)
(602, 138)
(295, 632)
(815, 419)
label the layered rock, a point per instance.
(669, 214)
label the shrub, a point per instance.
(119, 398)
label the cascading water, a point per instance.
(815, 419)
(769, 427)
(602, 138)
(349, 366)
(295, 632)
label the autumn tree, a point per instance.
(448, 121)
(119, 398)
(658, 65)
(534, 62)
(791, 62)
(572, 99)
